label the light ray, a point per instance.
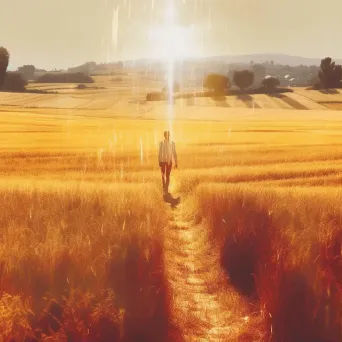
(170, 22)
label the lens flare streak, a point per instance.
(170, 22)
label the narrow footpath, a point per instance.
(199, 301)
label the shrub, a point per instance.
(270, 84)
(81, 86)
(155, 96)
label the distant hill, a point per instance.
(276, 58)
(85, 68)
(292, 71)
(280, 59)
(242, 59)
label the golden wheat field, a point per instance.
(246, 248)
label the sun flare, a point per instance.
(172, 41)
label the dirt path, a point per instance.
(196, 281)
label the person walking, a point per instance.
(167, 154)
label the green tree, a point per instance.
(330, 74)
(270, 84)
(13, 82)
(217, 83)
(243, 79)
(27, 72)
(4, 60)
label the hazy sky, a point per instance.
(64, 33)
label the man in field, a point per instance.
(167, 154)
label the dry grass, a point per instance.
(82, 263)
(132, 87)
(82, 243)
(282, 249)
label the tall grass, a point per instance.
(281, 249)
(289, 173)
(82, 263)
(81, 251)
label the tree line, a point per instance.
(329, 76)
(9, 81)
(17, 81)
(242, 79)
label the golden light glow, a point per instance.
(171, 40)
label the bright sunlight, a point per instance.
(172, 41)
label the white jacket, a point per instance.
(167, 152)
